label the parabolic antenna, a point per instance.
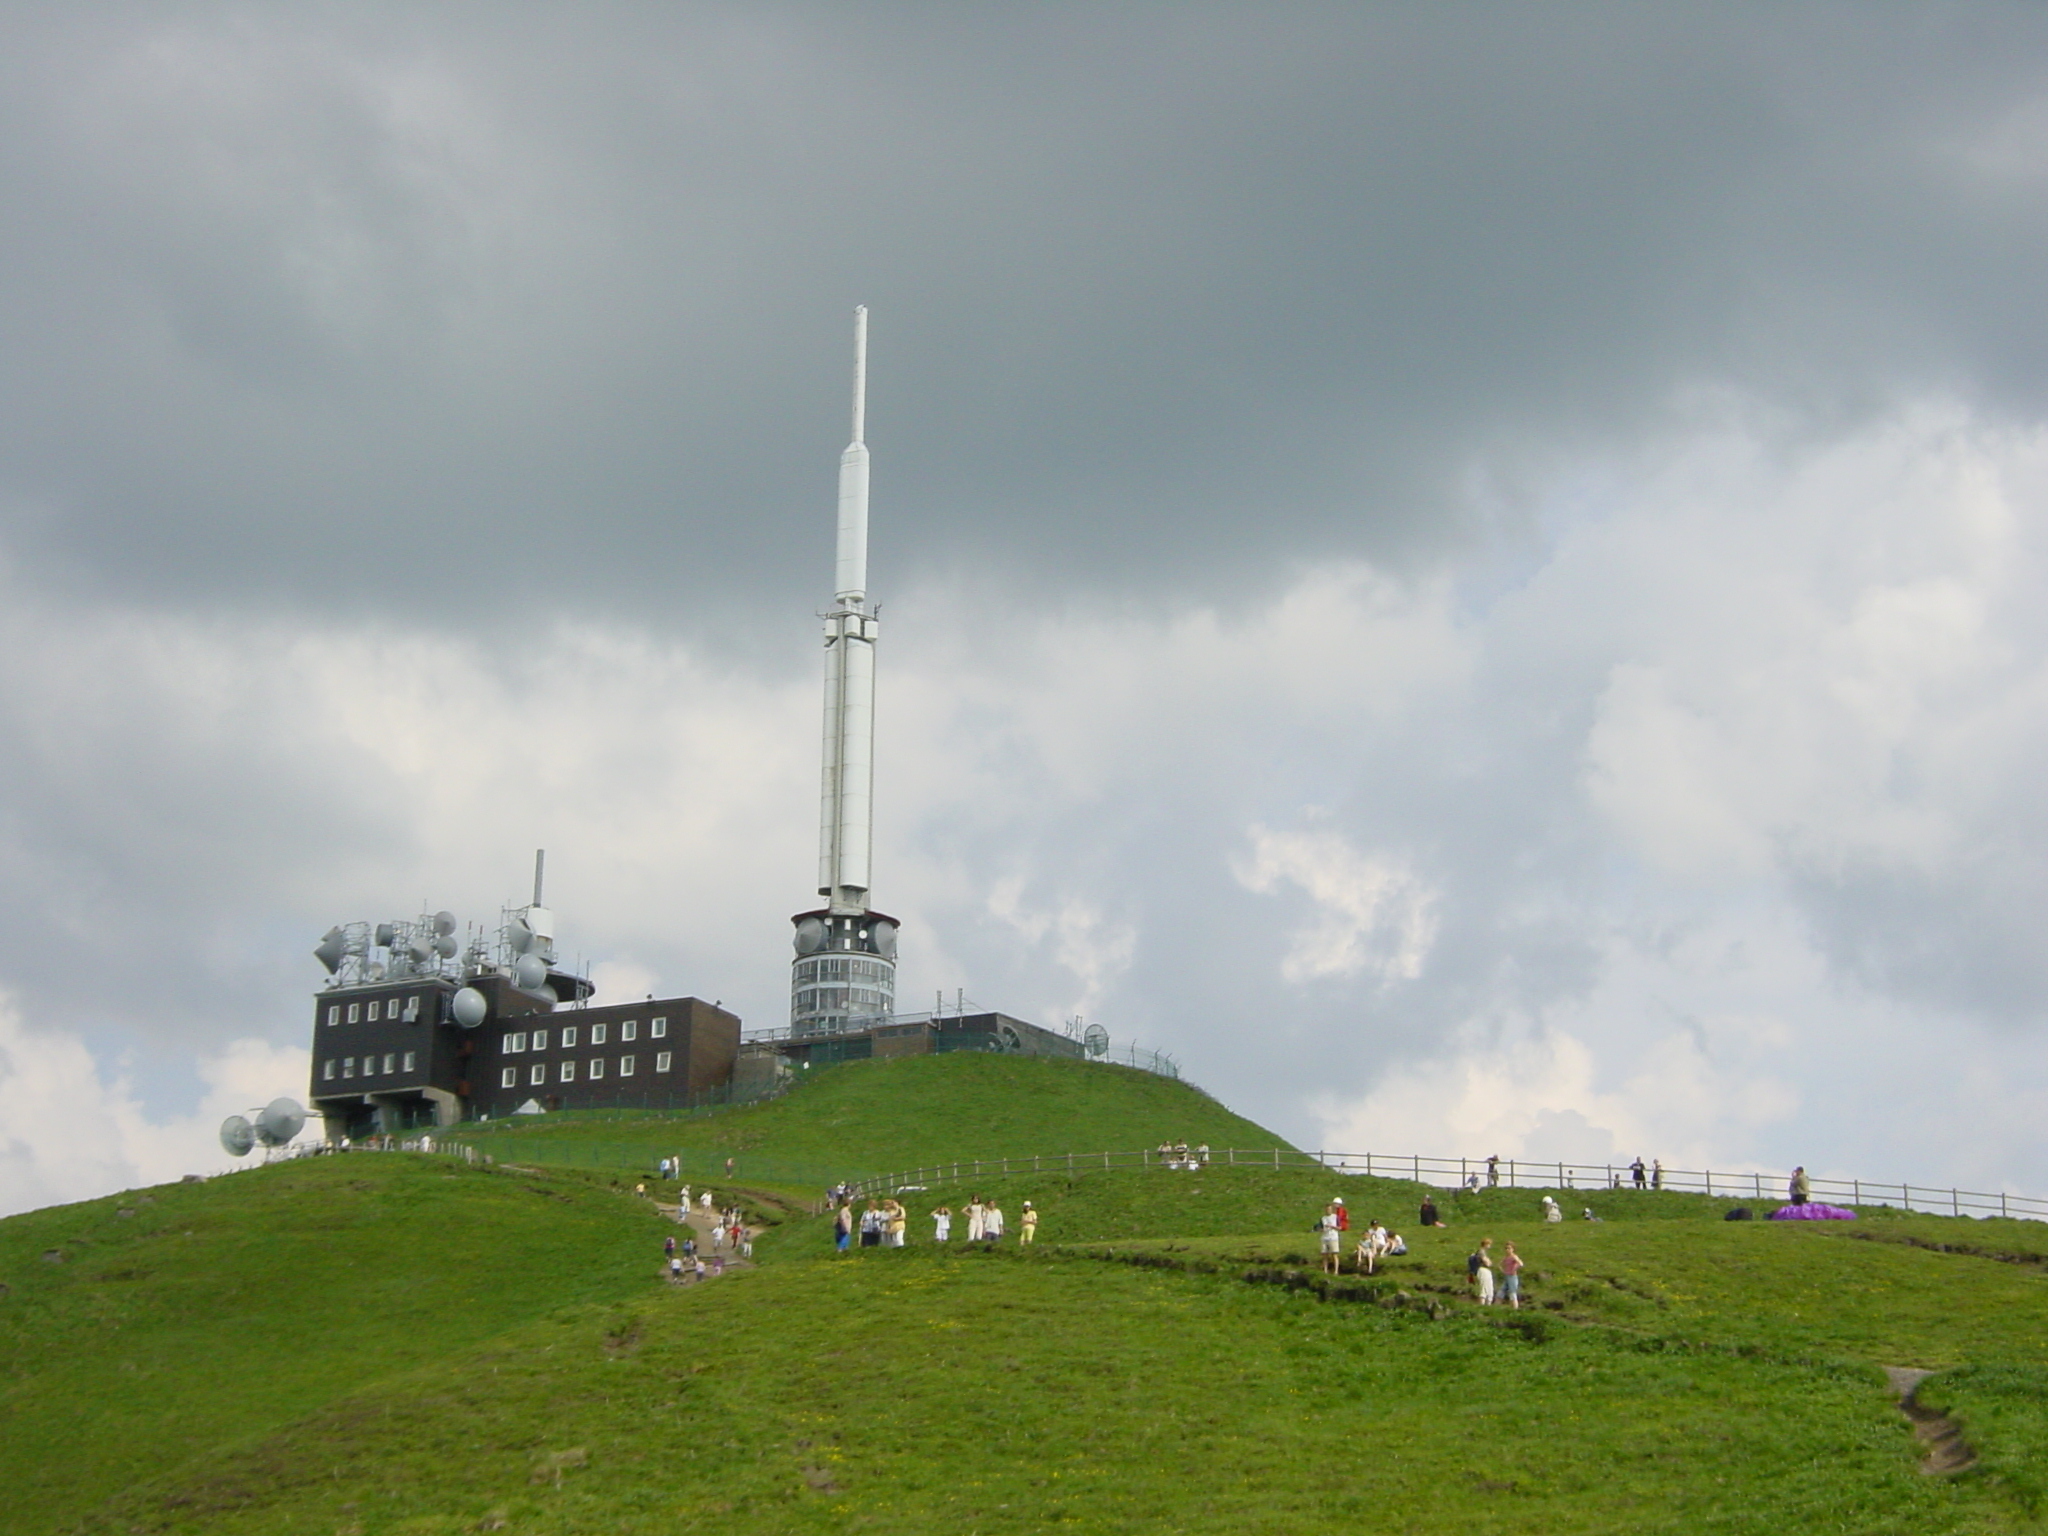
(445, 945)
(884, 933)
(529, 972)
(520, 937)
(385, 934)
(810, 936)
(444, 923)
(332, 946)
(237, 1136)
(281, 1120)
(1096, 1039)
(469, 1007)
(419, 951)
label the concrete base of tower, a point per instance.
(844, 974)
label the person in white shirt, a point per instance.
(992, 1222)
(942, 1224)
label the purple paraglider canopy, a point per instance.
(1812, 1213)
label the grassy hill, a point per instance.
(393, 1343)
(871, 1116)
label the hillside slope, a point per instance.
(871, 1116)
(155, 1330)
(401, 1345)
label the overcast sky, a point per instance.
(1476, 573)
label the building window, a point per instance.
(540, 1039)
(629, 1029)
(597, 1034)
(661, 1061)
(333, 1014)
(568, 1036)
(538, 1075)
(348, 1066)
(410, 1058)
(327, 1070)
(658, 1030)
(390, 1063)
(514, 1044)
(354, 1012)
(597, 1069)
(412, 1009)
(625, 1066)
(371, 1015)
(509, 1078)
(568, 1071)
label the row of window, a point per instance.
(593, 1071)
(844, 970)
(386, 1007)
(346, 1067)
(830, 999)
(629, 1029)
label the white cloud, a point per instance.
(73, 1131)
(1372, 916)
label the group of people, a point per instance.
(1374, 1243)
(726, 1230)
(885, 1223)
(1479, 1267)
(1175, 1154)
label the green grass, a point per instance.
(213, 1310)
(397, 1344)
(876, 1116)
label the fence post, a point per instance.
(1105, 1159)
(1276, 1157)
(1955, 1205)
(1759, 1180)
(2001, 1204)
(1560, 1177)
(1511, 1173)
(1858, 1186)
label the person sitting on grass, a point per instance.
(1429, 1216)
(1397, 1245)
(1551, 1210)
(1371, 1247)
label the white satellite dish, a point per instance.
(884, 933)
(520, 937)
(529, 973)
(419, 951)
(1096, 1039)
(444, 924)
(386, 932)
(469, 1007)
(810, 936)
(281, 1120)
(445, 945)
(329, 951)
(237, 1136)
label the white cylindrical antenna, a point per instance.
(540, 861)
(852, 585)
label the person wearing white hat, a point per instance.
(1029, 1224)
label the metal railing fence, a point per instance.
(1475, 1174)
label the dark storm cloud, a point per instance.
(498, 300)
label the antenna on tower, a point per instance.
(860, 372)
(540, 864)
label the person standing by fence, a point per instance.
(1802, 1187)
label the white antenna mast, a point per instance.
(845, 824)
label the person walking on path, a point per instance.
(1802, 1187)
(1332, 1240)
(1511, 1277)
(1480, 1267)
(1029, 1232)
